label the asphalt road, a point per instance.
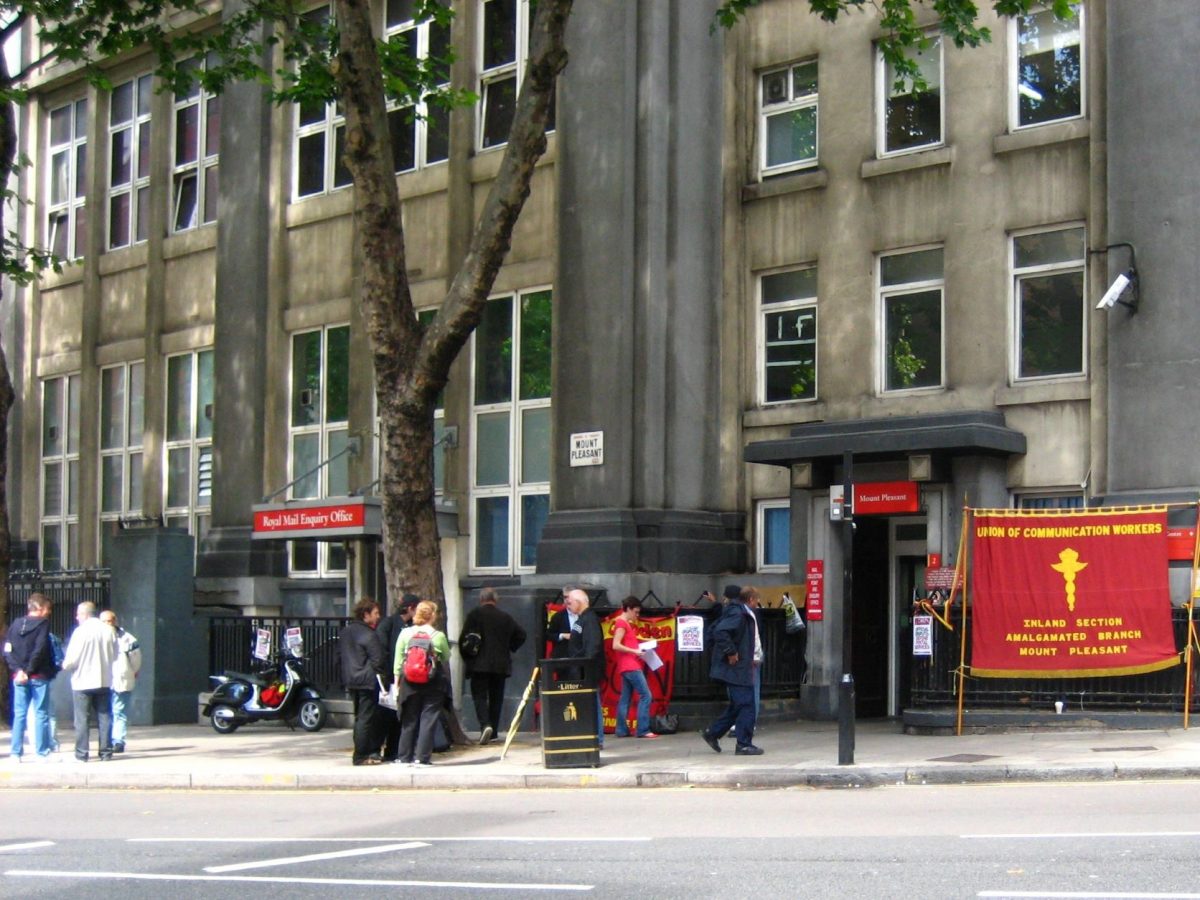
(1136, 839)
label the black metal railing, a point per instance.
(231, 645)
(65, 589)
(934, 680)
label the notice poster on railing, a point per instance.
(922, 629)
(262, 644)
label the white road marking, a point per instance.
(1082, 834)
(313, 857)
(534, 839)
(31, 845)
(1090, 895)
(333, 882)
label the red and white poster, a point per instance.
(814, 593)
(1070, 594)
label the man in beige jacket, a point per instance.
(89, 658)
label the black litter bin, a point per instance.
(569, 737)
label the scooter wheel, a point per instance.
(311, 715)
(224, 719)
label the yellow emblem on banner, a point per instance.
(1069, 566)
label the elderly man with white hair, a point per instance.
(89, 658)
(586, 642)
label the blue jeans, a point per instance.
(739, 712)
(34, 693)
(120, 703)
(630, 682)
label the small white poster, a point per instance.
(262, 644)
(587, 448)
(689, 631)
(922, 635)
(292, 639)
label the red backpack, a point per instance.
(420, 661)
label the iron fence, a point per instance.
(231, 645)
(933, 681)
(65, 590)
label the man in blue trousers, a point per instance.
(736, 644)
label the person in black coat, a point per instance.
(389, 631)
(587, 642)
(362, 661)
(735, 641)
(490, 667)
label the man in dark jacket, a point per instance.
(362, 660)
(735, 643)
(31, 664)
(389, 631)
(490, 667)
(586, 642)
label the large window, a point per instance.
(910, 120)
(122, 423)
(320, 412)
(188, 459)
(129, 162)
(1048, 299)
(320, 137)
(60, 473)
(774, 535)
(1048, 67)
(510, 484)
(788, 348)
(66, 218)
(788, 118)
(1049, 500)
(910, 315)
(503, 51)
(421, 134)
(196, 153)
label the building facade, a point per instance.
(745, 253)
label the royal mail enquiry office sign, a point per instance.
(330, 519)
(587, 448)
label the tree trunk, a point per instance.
(8, 148)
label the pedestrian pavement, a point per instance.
(797, 754)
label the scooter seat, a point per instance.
(252, 679)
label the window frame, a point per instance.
(130, 454)
(883, 88)
(195, 515)
(884, 293)
(487, 76)
(764, 310)
(64, 519)
(760, 535)
(1014, 67)
(792, 104)
(330, 127)
(514, 489)
(74, 207)
(205, 166)
(1017, 274)
(138, 184)
(1019, 498)
(421, 110)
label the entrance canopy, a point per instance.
(328, 519)
(973, 433)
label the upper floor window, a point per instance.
(188, 463)
(420, 134)
(1048, 299)
(66, 217)
(1049, 500)
(320, 139)
(129, 162)
(788, 118)
(59, 548)
(318, 432)
(788, 336)
(196, 154)
(910, 120)
(122, 424)
(510, 441)
(774, 535)
(910, 315)
(1048, 67)
(503, 51)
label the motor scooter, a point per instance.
(279, 690)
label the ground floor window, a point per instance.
(59, 545)
(774, 532)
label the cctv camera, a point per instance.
(1111, 296)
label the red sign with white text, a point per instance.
(814, 596)
(310, 518)
(881, 498)
(1181, 543)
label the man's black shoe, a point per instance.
(748, 750)
(118, 747)
(711, 741)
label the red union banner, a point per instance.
(1070, 594)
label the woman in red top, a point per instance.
(630, 668)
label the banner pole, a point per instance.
(962, 647)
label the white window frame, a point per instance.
(138, 185)
(327, 566)
(1019, 498)
(71, 210)
(1016, 275)
(329, 127)
(760, 541)
(884, 293)
(497, 74)
(205, 166)
(763, 311)
(1014, 68)
(883, 93)
(195, 515)
(126, 452)
(792, 104)
(63, 518)
(422, 110)
(514, 489)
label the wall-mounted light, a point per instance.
(1125, 282)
